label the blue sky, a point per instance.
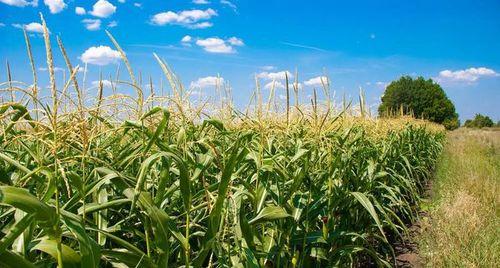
(354, 43)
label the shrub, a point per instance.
(479, 121)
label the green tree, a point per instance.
(479, 121)
(420, 97)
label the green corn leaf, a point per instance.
(69, 256)
(367, 204)
(9, 259)
(23, 200)
(15, 231)
(270, 213)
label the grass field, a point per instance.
(148, 180)
(464, 226)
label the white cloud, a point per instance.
(55, 6)
(208, 81)
(105, 83)
(201, 2)
(101, 55)
(229, 4)
(33, 27)
(80, 11)
(20, 3)
(276, 84)
(112, 24)
(187, 18)
(468, 75)
(186, 39)
(275, 76)
(103, 9)
(316, 81)
(235, 41)
(137, 4)
(201, 25)
(92, 24)
(215, 45)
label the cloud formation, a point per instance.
(20, 3)
(103, 9)
(275, 76)
(105, 83)
(55, 6)
(218, 45)
(209, 81)
(316, 81)
(33, 27)
(468, 75)
(229, 4)
(80, 11)
(92, 24)
(112, 24)
(193, 19)
(101, 55)
(186, 39)
(275, 84)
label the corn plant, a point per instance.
(177, 185)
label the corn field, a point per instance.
(160, 181)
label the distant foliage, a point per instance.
(421, 98)
(480, 121)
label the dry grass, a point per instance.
(464, 226)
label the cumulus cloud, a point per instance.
(275, 76)
(138, 5)
(103, 9)
(186, 39)
(92, 24)
(20, 3)
(216, 45)
(33, 27)
(209, 81)
(80, 11)
(194, 19)
(235, 41)
(468, 75)
(316, 81)
(101, 55)
(201, 2)
(105, 83)
(276, 84)
(55, 6)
